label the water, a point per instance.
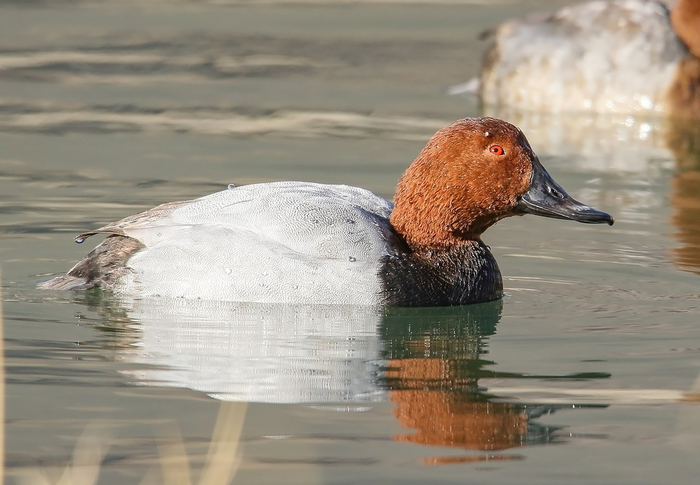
(580, 375)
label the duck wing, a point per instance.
(283, 241)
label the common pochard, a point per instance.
(619, 56)
(301, 242)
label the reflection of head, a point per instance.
(434, 364)
(684, 139)
(441, 419)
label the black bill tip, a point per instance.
(547, 199)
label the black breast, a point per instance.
(443, 277)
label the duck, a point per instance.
(302, 242)
(632, 57)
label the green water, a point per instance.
(578, 376)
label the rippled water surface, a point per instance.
(586, 372)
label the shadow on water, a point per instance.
(428, 362)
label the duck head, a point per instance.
(469, 176)
(685, 19)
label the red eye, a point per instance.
(497, 150)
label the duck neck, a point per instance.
(437, 228)
(685, 19)
(432, 214)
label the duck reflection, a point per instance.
(434, 362)
(257, 352)
(684, 139)
(685, 198)
(426, 361)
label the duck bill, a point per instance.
(546, 198)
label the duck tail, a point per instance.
(101, 268)
(64, 282)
